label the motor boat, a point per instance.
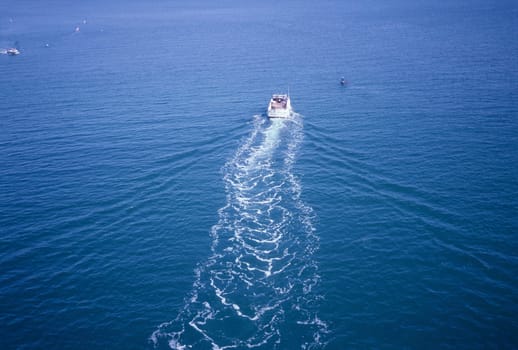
(279, 106)
(12, 51)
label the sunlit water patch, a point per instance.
(258, 289)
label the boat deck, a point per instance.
(278, 104)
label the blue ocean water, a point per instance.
(146, 202)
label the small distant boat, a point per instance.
(343, 82)
(12, 51)
(279, 106)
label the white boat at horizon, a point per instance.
(279, 106)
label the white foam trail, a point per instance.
(261, 276)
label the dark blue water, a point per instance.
(146, 201)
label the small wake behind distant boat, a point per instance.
(279, 106)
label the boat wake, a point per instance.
(258, 289)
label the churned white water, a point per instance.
(257, 288)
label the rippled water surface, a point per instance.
(146, 202)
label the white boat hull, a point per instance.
(279, 113)
(12, 51)
(279, 108)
